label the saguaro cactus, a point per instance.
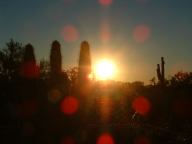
(161, 72)
(29, 53)
(162, 68)
(55, 58)
(84, 69)
(29, 68)
(58, 79)
(84, 83)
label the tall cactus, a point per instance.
(29, 68)
(161, 72)
(84, 83)
(58, 80)
(29, 53)
(163, 69)
(84, 62)
(55, 58)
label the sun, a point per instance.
(104, 70)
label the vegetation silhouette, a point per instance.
(10, 59)
(33, 97)
(161, 72)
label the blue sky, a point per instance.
(169, 25)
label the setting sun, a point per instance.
(104, 70)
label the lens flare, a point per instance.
(105, 2)
(54, 95)
(105, 34)
(141, 105)
(141, 33)
(69, 105)
(142, 140)
(70, 33)
(67, 140)
(30, 70)
(105, 139)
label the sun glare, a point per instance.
(104, 70)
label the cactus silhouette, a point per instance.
(55, 58)
(84, 83)
(29, 69)
(58, 79)
(161, 72)
(29, 53)
(84, 62)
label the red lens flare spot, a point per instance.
(141, 105)
(141, 33)
(105, 139)
(70, 33)
(30, 70)
(105, 2)
(67, 140)
(142, 140)
(54, 95)
(69, 105)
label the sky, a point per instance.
(134, 34)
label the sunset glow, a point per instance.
(96, 71)
(104, 70)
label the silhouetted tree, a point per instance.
(10, 59)
(73, 77)
(44, 69)
(181, 78)
(137, 85)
